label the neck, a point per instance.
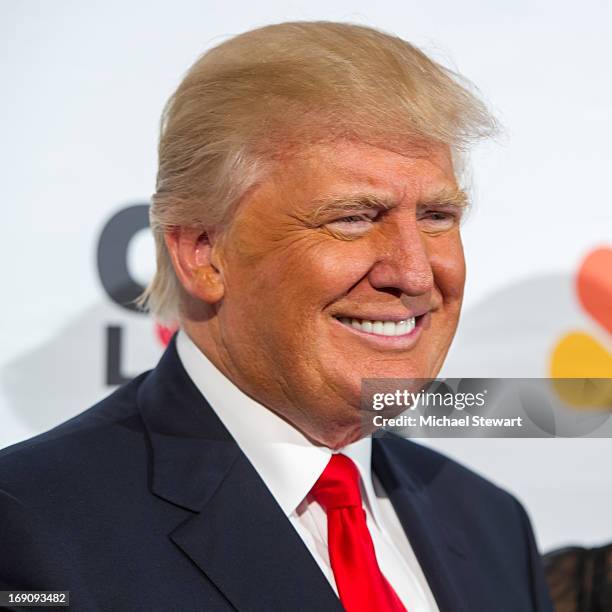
(333, 434)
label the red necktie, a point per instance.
(361, 585)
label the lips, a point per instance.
(388, 325)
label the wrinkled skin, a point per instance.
(262, 300)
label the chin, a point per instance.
(397, 369)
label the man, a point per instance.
(306, 218)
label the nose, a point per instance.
(403, 261)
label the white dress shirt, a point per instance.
(289, 464)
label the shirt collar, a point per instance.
(284, 458)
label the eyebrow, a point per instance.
(449, 196)
(326, 206)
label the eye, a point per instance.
(354, 224)
(362, 215)
(352, 219)
(439, 219)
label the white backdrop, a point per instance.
(83, 84)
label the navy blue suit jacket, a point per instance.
(145, 502)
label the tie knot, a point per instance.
(338, 485)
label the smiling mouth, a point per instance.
(382, 327)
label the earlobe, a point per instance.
(190, 250)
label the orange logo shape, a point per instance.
(594, 286)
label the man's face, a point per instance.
(346, 263)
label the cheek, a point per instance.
(336, 265)
(448, 265)
(306, 269)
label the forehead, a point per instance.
(343, 167)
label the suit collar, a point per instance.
(440, 548)
(192, 451)
(238, 535)
(287, 461)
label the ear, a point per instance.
(191, 251)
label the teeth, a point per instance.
(389, 328)
(381, 328)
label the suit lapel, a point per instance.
(440, 549)
(238, 535)
(248, 548)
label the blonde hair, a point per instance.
(281, 86)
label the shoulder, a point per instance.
(459, 494)
(61, 488)
(436, 470)
(481, 520)
(95, 441)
